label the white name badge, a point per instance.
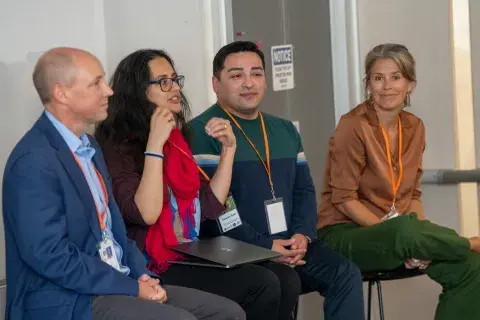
(275, 216)
(230, 219)
(392, 214)
(107, 253)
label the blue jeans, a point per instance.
(335, 278)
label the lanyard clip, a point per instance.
(393, 209)
(273, 193)
(104, 235)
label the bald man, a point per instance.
(68, 256)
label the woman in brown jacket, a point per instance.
(371, 209)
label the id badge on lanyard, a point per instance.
(107, 251)
(275, 215)
(105, 247)
(273, 208)
(392, 214)
(395, 184)
(230, 219)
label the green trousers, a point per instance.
(387, 245)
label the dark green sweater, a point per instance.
(250, 187)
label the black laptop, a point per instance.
(222, 252)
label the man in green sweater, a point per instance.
(272, 186)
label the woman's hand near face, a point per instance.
(161, 124)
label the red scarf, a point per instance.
(180, 174)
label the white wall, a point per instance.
(190, 30)
(179, 27)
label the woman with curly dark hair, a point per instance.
(157, 184)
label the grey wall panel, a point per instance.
(262, 21)
(311, 102)
(306, 25)
(475, 53)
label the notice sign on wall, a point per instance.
(282, 67)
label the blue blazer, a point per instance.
(52, 232)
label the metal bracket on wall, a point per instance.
(448, 176)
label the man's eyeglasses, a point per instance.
(166, 84)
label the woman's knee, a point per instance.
(264, 281)
(405, 227)
(289, 281)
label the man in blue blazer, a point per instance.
(68, 256)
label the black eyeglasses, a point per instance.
(166, 84)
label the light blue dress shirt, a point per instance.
(84, 152)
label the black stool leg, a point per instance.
(370, 283)
(380, 299)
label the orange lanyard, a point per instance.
(395, 184)
(266, 164)
(101, 215)
(188, 156)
